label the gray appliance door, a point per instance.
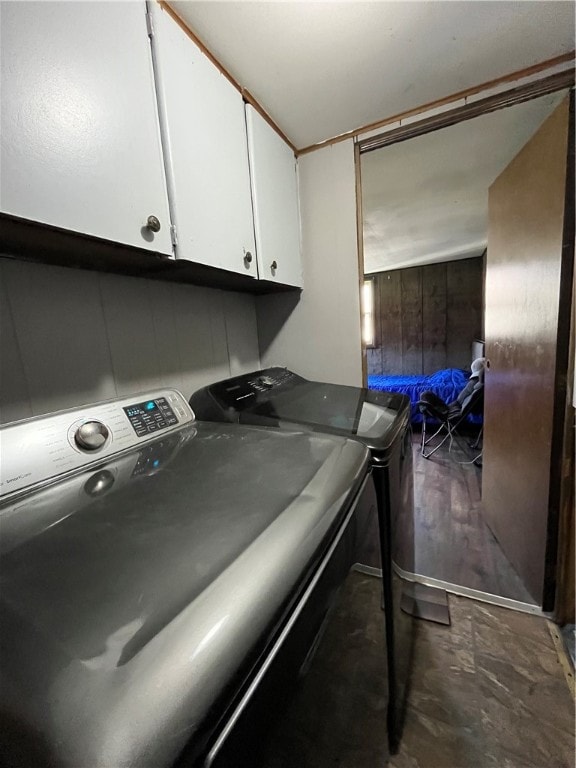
(130, 620)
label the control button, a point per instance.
(91, 435)
(266, 381)
(99, 483)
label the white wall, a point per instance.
(318, 333)
(70, 337)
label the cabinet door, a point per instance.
(202, 117)
(275, 201)
(80, 135)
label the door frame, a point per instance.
(558, 590)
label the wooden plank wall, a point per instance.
(427, 317)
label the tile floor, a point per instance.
(487, 692)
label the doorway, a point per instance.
(425, 202)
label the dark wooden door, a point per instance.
(523, 278)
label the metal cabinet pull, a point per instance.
(153, 224)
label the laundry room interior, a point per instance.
(252, 253)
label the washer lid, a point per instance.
(132, 594)
(375, 418)
(279, 397)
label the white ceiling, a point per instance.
(425, 200)
(323, 68)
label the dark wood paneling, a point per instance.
(421, 326)
(411, 281)
(463, 310)
(434, 318)
(526, 214)
(373, 360)
(391, 321)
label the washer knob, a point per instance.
(91, 435)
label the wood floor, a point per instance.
(452, 541)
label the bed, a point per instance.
(446, 383)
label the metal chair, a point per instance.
(450, 416)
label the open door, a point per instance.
(525, 274)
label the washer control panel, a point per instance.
(150, 416)
(243, 391)
(37, 450)
(270, 379)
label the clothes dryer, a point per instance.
(379, 420)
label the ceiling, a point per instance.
(323, 68)
(426, 200)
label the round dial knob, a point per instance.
(91, 435)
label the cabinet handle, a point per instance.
(153, 224)
(274, 265)
(247, 257)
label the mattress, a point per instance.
(446, 383)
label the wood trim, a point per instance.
(518, 75)
(563, 658)
(510, 98)
(246, 95)
(360, 254)
(559, 586)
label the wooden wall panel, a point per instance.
(526, 215)
(463, 310)
(373, 360)
(428, 317)
(434, 318)
(411, 320)
(390, 296)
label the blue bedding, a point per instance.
(446, 383)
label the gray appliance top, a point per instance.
(134, 589)
(279, 397)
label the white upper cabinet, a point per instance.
(275, 200)
(202, 117)
(80, 136)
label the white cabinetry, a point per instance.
(203, 126)
(275, 201)
(80, 136)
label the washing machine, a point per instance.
(280, 398)
(163, 579)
